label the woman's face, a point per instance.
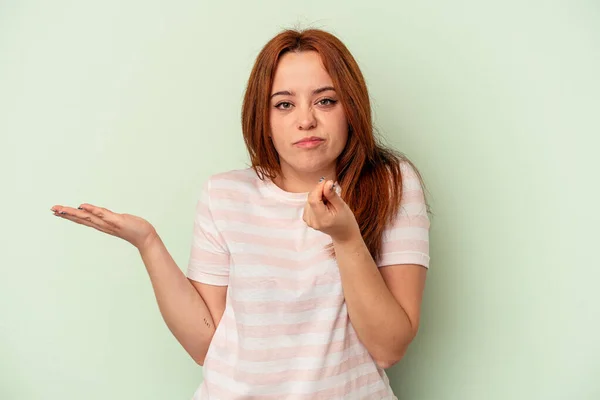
(308, 124)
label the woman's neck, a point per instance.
(302, 182)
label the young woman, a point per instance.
(307, 269)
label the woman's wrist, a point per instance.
(352, 239)
(151, 240)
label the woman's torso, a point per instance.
(285, 332)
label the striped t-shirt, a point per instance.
(285, 332)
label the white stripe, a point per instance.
(291, 387)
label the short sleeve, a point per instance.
(209, 257)
(406, 239)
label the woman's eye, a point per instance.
(327, 102)
(284, 105)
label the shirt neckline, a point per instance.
(290, 197)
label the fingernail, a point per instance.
(322, 179)
(62, 212)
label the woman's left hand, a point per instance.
(327, 212)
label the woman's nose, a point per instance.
(306, 119)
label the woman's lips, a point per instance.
(309, 143)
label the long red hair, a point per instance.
(366, 170)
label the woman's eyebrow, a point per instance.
(323, 89)
(290, 93)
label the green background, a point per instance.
(132, 104)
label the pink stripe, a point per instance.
(280, 243)
(266, 331)
(412, 196)
(286, 353)
(409, 196)
(203, 258)
(285, 307)
(240, 196)
(410, 245)
(410, 221)
(272, 282)
(256, 220)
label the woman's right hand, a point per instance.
(131, 228)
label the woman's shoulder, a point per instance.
(235, 181)
(244, 175)
(408, 169)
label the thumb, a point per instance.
(330, 193)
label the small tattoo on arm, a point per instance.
(206, 322)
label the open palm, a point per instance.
(131, 228)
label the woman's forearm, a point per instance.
(181, 306)
(380, 322)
